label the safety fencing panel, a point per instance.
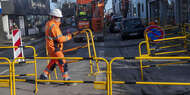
(90, 42)
(158, 43)
(105, 83)
(129, 82)
(6, 82)
(92, 54)
(187, 33)
(173, 42)
(172, 31)
(94, 70)
(14, 79)
(10, 76)
(187, 27)
(34, 58)
(11, 66)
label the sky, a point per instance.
(72, 0)
(108, 5)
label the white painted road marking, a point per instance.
(4, 71)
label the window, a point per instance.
(170, 12)
(54, 1)
(142, 7)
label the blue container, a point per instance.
(0, 10)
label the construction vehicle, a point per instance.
(90, 14)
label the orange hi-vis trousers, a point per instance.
(63, 66)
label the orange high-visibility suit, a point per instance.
(54, 46)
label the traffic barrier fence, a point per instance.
(60, 81)
(90, 42)
(141, 82)
(165, 46)
(7, 82)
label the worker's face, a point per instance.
(57, 19)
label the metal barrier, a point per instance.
(187, 27)
(148, 44)
(60, 81)
(7, 81)
(90, 41)
(161, 53)
(89, 44)
(94, 50)
(170, 28)
(11, 66)
(142, 83)
(186, 30)
(108, 81)
(12, 70)
(182, 30)
(150, 48)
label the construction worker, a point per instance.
(54, 45)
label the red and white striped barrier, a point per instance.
(17, 41)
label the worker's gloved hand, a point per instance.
(69, 35)
(75, 33)
(78, 32)
(83, 31)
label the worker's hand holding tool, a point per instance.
(83, 31)
(69, 35)
(75, 33)
(78, 32)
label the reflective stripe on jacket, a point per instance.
(54, 37)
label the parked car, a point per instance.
(132, 28)
(116, 26)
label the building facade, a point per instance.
(169, 11)
(28, 15)
(124, 7)
(138, 9)
(57, 3)
(165, 11)
(117, 5)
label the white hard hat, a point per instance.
(56, 13)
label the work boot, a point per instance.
(67, 78)
(69, 84)
(43, 77)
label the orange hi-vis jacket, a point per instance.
(54, 37)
